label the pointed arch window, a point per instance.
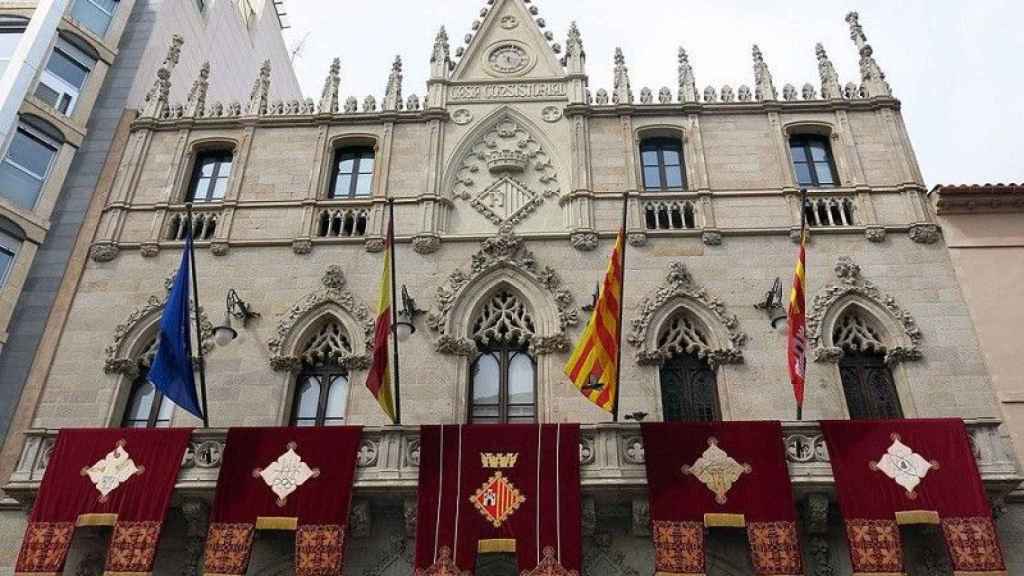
(689, 388)
(503, 375)
(867, 380)
(147, 407)
(321, 390)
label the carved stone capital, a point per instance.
(711, 238)
(103, 252)
(899, 354)
(540, 345)
(924, 233)
(426, 243)
(637, 239)
(302, 246)
(828, 354)
(584, 240)
(455, 346)
(374, 245)
(149, 249)
(219, 248)
(875, 234)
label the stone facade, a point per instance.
(511, 176)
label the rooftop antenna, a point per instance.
(300, 47)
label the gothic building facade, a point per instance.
(508, 178)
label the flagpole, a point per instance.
(199, 327)
(394, 310)
(803, 226)
(622, 306)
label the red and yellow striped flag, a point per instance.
(797, 339)
(593, 367)
(378, 381)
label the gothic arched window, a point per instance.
(867, 380)
(147, 407)
(503, 376)
(689, 389)
(321, 390)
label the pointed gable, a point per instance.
(508, 45)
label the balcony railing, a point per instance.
(611, 458)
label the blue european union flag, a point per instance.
(171, 371)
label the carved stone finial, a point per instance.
(789, 92)
(872, 78)
(260, 95)
(622, 93)
(351, 105)
(687, 83)
(156, 102)
(575, 58)
(710, 95)
(195, 106)
(441, 59)
(393, 93)
(808, 92)
(764, 88)
(646, 96)
(331, 93)
(830, 88)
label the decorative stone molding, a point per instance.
(504, 171)
(195, 104)
(302, 246)
(875, 234)
(584, 240)
(622, 93)
(329, 96)
(821, 556)
(425, 243)
(637, 239)
(551, 114)
(503, 259)
(259, 97)
(687, 83)
(155, 104)
(924, 233)
(680, 291)
(104, 252)
(830, 88)
(220, 248)
(711, 238)
(872, 78)
(764, 87)
(149, 249)
(852, 288)
(816, 513)
(196, 513)
(462, 116)
(374, 245)
(393, 92)
(284, 352)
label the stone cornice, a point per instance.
(978, 199)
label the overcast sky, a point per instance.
(956, 66)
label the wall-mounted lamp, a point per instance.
(405, 326)
(235, 307)
(772, 305)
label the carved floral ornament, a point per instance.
(285, 354)
(853, 288)
(504, 171)
(662, 306)
(505, 258)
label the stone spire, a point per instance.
(332, 89)
(830, 88)
(195, 106)
(393, 93)
(441, 59)
(622, 93)
(260, 95)
(156, 102)
(764, 88)
(687, 84)
(872, 77)
(575, 59)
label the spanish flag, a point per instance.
(797, 339)
(379, 379)
(593, 367)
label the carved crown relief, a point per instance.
(505, 173)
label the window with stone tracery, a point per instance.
(689, 388)
(503, 376)
(147, 407)
(321, 390)
(867, 380)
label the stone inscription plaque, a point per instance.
(507, 91)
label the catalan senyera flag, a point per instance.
(593, 367)
(379, 379)
(797, 340)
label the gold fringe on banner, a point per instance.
(917, 517)
(126, 573)
(96, 520)
(496, 545)
(678, 574)
(721, 520)
(277, 523)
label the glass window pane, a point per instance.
(366, 164)
(347, 164)
(31, 154)
(201, 190)
(6, 259)
(307, 399)
(225, 167)
(824, 172)
(798, 151)
(219, 188)
(94, 14)
(364, 185)
(20, 188)
(486, 380)
(652, 178)
(207, 166)
(819, 152)
(650, 157)
(337, 398)
(673, 177)
(671, 157)
(140, 404)
(8, 43)
(803, 174)
(163, 418)
(342, 185)
(520, 379)
(47, 94)
(67, 69)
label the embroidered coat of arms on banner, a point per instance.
(104, 477)
(720, 474)
(499, 488)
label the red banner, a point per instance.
(896, 472)
(720, 474)
(284, 479)
(499, 488)
(104, 477)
